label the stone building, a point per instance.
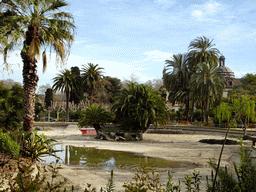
(231, 81)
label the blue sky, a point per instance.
(136, 36)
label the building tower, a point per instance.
(226, 72)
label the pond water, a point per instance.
(93, 158)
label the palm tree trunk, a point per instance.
(30, 80)
(187, 107)
(67, 101)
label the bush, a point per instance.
(35, 146)
(96, 116)
(197, 115)
(8, 147)
(245, 175)
(11, 107)
(137, 106)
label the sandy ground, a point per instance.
(176, 147)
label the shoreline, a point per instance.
(174, 147)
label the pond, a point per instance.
(93, 158)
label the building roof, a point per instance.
(222, 57)
(225, 69)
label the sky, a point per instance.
(135, 37)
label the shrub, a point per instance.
(137, 106)
(96, 116)
(245, 175)
(35, 146)
(8, 147)
(11, 106)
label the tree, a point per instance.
(95, 115)
(48, 98)
(176, 78)
(64, 82)
(9, 83)
(156, 83)
(39, 23)
(11, 107)
(207, 85)
(137, 106)
(114, 88)
(202, 50)
(77, 95)
(91, 74)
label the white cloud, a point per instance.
(157, 55)
(205, 11)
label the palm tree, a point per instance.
(91, 74)
(138, 106)
(207, 85)
(39, 23)
(95, 115)
(176, 77)
(65, 81)
(202, 50)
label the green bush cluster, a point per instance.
(7, 145)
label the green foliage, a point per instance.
(144, 180)
(76, 95)
(207, 85)
(115, 86)
(180, 113)
(11, 107)
(176, 78)
(223, 113)
(94, 115)
(48, 98)
(249, 82)
(35, 146)
(197, 115)
(65, 81)
(170, 186)
(74, 114)
(26, 181)
(8, 148)
(8, 145)
(137, 106)
(243, 111)
(36, 24)
(173, 116)
(245, 174)
(38, 108)
(110, 185)
(91, 74)
(193, 183)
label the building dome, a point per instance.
(224, 69)
(222, 57)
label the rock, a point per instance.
(127, 136)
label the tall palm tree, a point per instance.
(207, 85)
(41, 24)
(202, 50)
(176, 77)
(65, 81)
(91, 74)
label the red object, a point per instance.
(88, 131)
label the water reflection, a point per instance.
(106, 159)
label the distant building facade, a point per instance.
(231, 81)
